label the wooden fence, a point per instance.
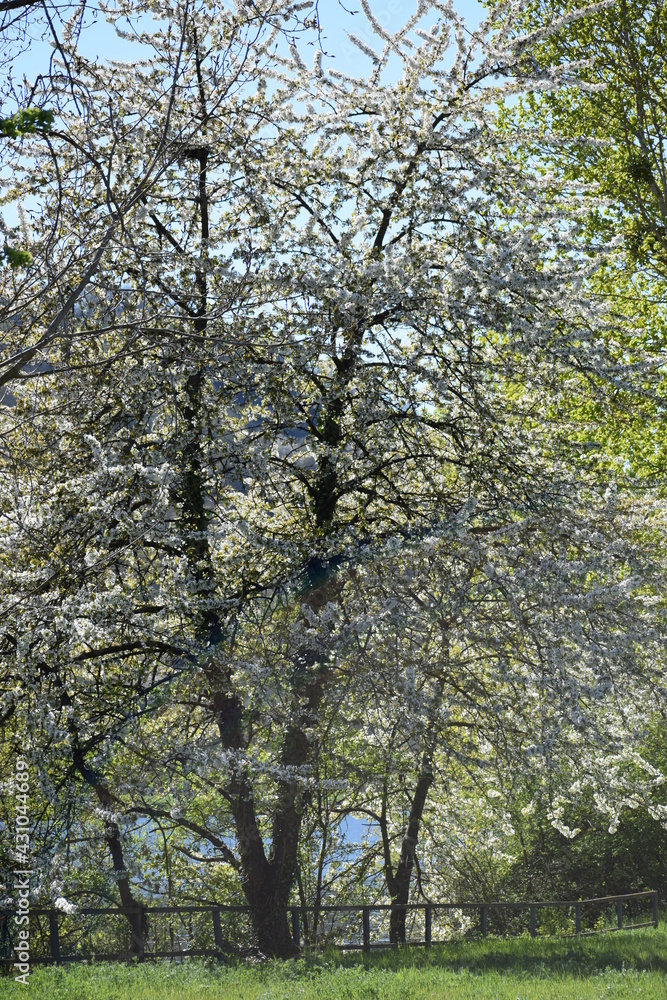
(53, 953)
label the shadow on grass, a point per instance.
(640, 950)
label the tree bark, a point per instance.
(137, 917)
(398, 881)
(266, 882)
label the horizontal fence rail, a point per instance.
(210, 941)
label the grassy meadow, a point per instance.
(627, 964)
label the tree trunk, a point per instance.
(398, 882)
(270, 923)
(137, 919)
(266, 882)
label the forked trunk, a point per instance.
(266, 882)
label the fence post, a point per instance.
(295, 927)
(577, 918)
(482, 920)
(655, 909)
(533, 922)
(367, 927)
(619, 913)
(217, 930)
(54, 940)
(428, 914)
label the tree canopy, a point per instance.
(299, 517)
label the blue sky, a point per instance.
(99, 41)
(392, 14)
(337, 17)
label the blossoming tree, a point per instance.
(277, 317)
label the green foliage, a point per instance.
(28, 121)
(595, 862)
(15, 258)
(610, 131)
(598, 858)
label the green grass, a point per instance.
(628, 964)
